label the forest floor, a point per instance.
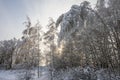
(20, 75)
(8, 74)
(69, 74)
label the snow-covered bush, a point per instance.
(86, 73)
(26, 75)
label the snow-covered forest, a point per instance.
(82, 44)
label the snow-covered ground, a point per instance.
(20, 74)
(8, 75)
(68, 74)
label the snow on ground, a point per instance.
(7, 75)
(17, 74)
(68, 74)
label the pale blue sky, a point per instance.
(13, 14)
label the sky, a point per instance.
(13, 14)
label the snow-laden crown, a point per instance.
(72, 20)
